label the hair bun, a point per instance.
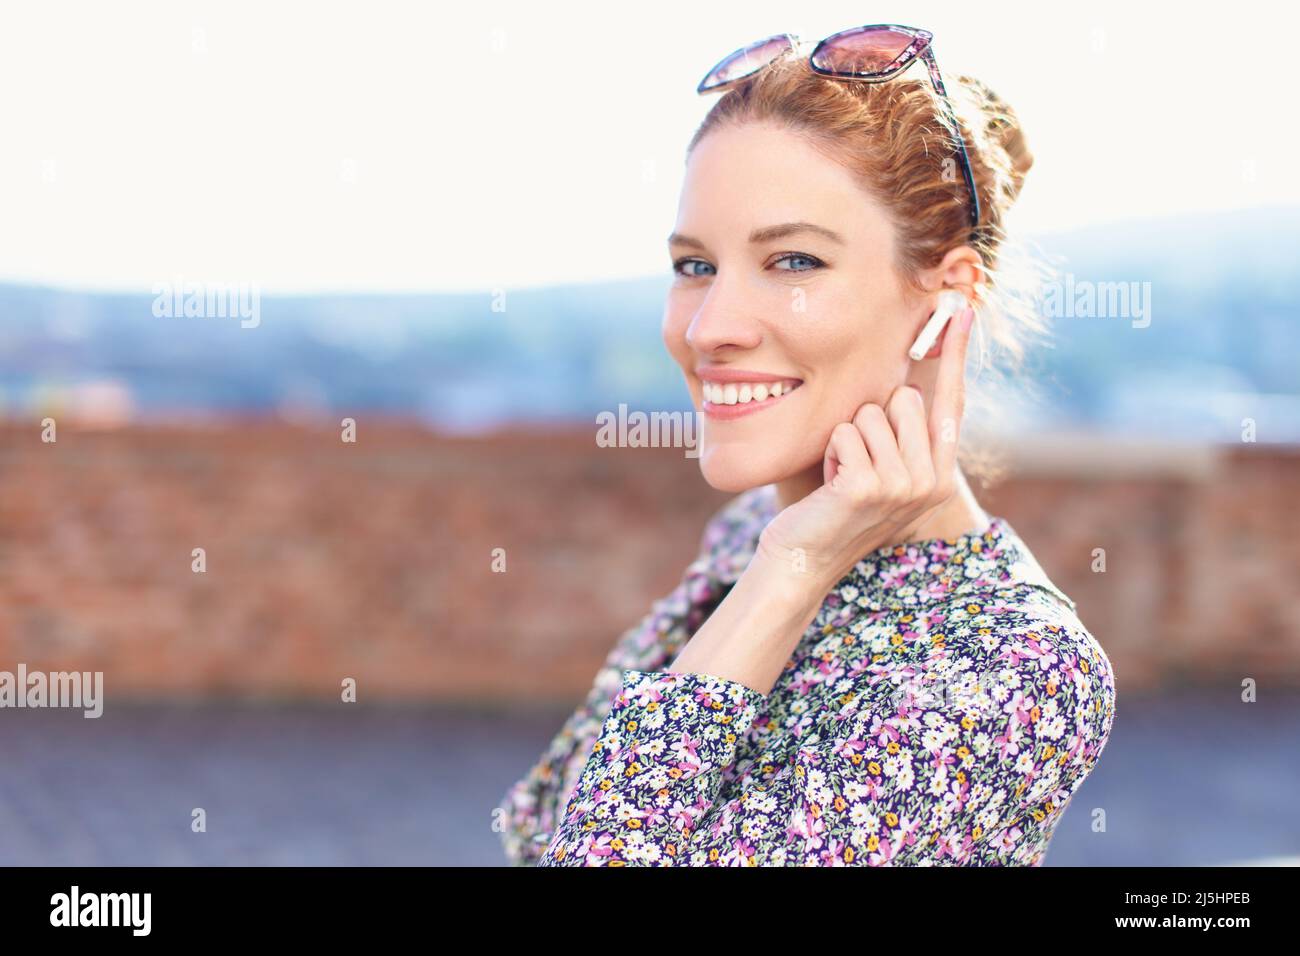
(1002, 129)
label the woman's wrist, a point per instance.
(750, 636)
(792, 573)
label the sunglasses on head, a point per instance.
(873, 54)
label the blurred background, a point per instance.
(448, 225)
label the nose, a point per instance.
(727, 317)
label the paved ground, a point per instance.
(1186, 779)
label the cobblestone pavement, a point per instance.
(1193, 778)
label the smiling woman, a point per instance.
(861, 667)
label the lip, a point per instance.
(726, 413)
(724, 374)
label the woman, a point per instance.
(861, 667)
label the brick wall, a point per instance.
(372, 560)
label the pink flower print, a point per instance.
(1041, 650)
(814, 829)
(740, 853)
(681, 816)
(1019, 706)
(833, 854)
(1007, 839)
(1008, 742)
(850, 748)
(643, 695)
(947, 845)
(882, 729)
(830, 670)
(942, 759)
(596, 845)
(883, 854)
(686, 750)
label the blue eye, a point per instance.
(817, 263)
(677, 267)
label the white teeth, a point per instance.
(739, 393)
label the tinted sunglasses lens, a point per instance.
(862, 52)
(745, 61)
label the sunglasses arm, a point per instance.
(951, 116)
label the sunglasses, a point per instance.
(872, 54)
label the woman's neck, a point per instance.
(960, 514)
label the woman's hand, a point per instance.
(883, 472)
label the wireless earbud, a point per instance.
(951, 302)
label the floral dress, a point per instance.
(942, 709)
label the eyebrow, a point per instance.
(767, 234)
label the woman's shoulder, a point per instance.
(1022, 635)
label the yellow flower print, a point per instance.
(873, 768)
(873, 843)
(892, 747)
(891, 818)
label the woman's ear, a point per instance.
(960, 269)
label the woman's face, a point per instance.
(757, 299)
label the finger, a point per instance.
(906, 413)
(847, 453)
(950, 394)
(882, 446)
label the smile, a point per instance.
(725, 401)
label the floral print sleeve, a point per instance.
(656, 770)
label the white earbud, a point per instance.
(951, 302)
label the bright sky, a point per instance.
(446, 146)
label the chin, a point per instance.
(734, 469)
